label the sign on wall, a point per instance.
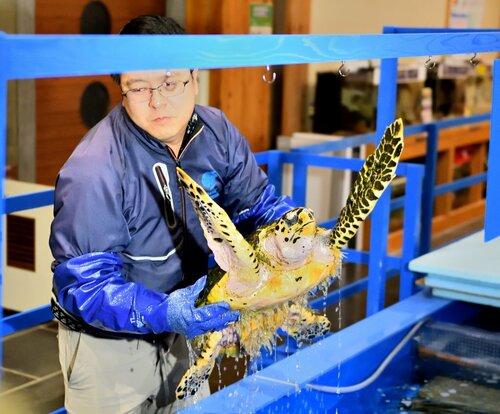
(261, 18)
(465, 14)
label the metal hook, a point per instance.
(343, 72)
(429, 63)
(473, 61)
(273, 75)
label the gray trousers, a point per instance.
(121, 376)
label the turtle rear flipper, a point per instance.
(374, 177)
(303, 325)
(196, 376)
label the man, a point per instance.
(130, 255)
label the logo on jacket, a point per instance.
(209, 183)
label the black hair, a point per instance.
(149, 24)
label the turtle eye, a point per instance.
(290, 219)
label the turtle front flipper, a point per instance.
(196, 376)
(375, 176)
(231, 251)
(303, 325)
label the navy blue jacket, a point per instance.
(124, 233)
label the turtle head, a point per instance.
(290, 239)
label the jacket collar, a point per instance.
(195, 124)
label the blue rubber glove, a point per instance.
(184, 318)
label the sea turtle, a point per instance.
(268, 275)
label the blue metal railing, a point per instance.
(430, 189)
(28, 201)
(77, 55)
(39, 56)
(26, 319)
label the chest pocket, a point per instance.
(162, 178)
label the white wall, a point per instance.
(491, 14)
(24, 289)
(369, 16)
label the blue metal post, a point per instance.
(386, 110)
(429, 183)
(275, 169)
(411, 228)
(3, 145)
(492, 220)
(299, 184)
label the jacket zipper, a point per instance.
(179, 186)
(177, 160)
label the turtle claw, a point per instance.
(304, 325)
(310, 331)
(320, 327)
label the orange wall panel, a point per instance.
(59, 126)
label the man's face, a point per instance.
(164, 117)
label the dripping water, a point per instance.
(236, 366)
(219, 372)
(339, 320)
(191, 353)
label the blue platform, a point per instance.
(467, 270)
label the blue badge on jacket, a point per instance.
(209, 181)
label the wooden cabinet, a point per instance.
(473, 140)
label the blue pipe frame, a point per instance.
(42, 56)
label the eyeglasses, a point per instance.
(165, 89)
